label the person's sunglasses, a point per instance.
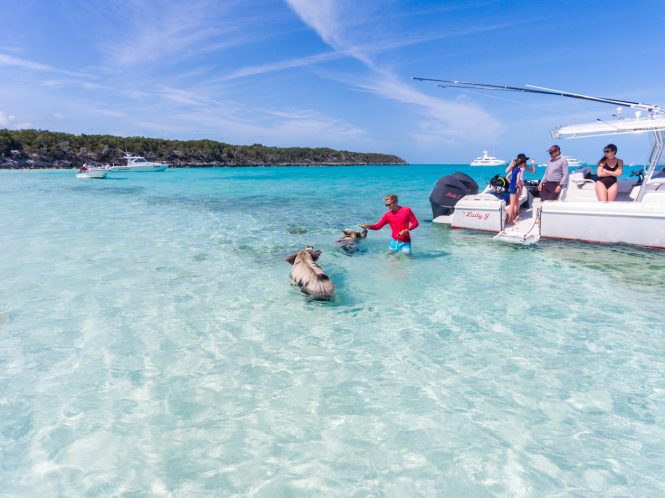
(608, 150)
(553, 152)
(389, 204)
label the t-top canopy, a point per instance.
(614, 127)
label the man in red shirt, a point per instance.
(401, 220)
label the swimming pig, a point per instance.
(348, 243)
(309, 276)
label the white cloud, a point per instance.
(10, 121)
(290, 128)
(281, 65)
(106, 112)
(360, 51)
(88, 85)
(135, 94)
(158, 30)
(235, 123)
(10, 60)
(449, 118)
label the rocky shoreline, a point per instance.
(40, 149)
(32, 164)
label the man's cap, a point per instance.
(553, 148)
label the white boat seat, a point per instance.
(581, 182)
(657, 181)
(626, 185)
(654, 198)
(586, 170)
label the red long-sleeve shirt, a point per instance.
(398, 221)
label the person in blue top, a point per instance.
(515, 173)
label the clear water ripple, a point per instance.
(150, 344)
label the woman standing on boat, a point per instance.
(610, 167)
(514, 175)
(516, 170)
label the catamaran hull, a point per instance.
(641, 224)
(138, 169)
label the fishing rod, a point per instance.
(541, 91)
(503, 89)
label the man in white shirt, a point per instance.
(555, 177)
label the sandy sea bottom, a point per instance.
(151, 345)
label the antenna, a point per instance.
(608, 124)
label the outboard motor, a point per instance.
(449, 190)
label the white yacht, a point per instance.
(572, 162)
(138, 164)
(487, 160)
(636, 217)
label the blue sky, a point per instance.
(330, 73)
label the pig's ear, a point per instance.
(291, 259)
(315, 255)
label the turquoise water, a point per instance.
(151, 345)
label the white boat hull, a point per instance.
(479, 212)
(578, 215)
(99, 173)
(640, 223)
(493, 163)
(138, 169)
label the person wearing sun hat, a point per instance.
(525, 167)
(515, 178)
(555, 177)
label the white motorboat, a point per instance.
(572, 162)
(487, 160)
(90, 172)
(636, 217)
(138, 164)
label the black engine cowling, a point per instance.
(449, 190)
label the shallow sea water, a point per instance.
(151, 345)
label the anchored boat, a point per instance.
(138, 164)
(487, 160)
(572, 162)
(91, 172)
(636, 217)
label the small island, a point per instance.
(33, 149)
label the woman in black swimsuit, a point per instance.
(609, 169)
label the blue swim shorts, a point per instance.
(398, 246)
